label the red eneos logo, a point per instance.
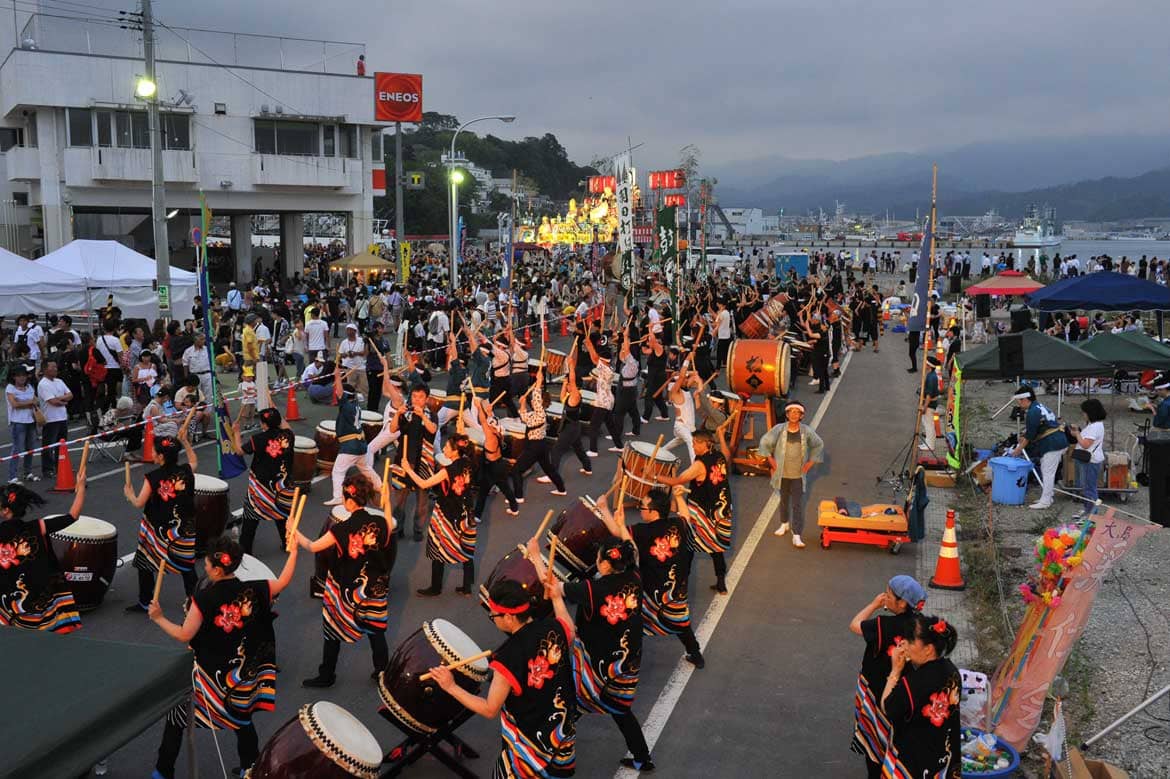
(398, 97)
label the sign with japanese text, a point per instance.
(667, 179)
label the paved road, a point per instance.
(775, 697)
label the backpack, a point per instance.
(94, 368)
(433, 325)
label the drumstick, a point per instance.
(621, 494)
(158, 580)
(547, 518)
(127, 474)
(460, 425)
(291, 533)
(385, 484)
(465, 661)
(654, 454)
(552, 555)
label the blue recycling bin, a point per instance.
(1009, 480)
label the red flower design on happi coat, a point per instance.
(939, 708)
(662, 549)
(8, 557)
(894, 646)
(275, 447)
(614, 609)
(357, 545)
(166, 490)
(539, 671)
(230, 617)
(717, 473)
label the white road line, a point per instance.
(672, 691)
(129, 558)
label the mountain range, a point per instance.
(1095, 178)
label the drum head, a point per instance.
(646, 449)
(303, 444)
(438, 393)
(556, 351)
(727, 395)
(476, 435)
(339, 513)
(588, 396)
(513, 427)
(328, 426)
(89, 528)
(372, 417)
(205, 483)
(556, 409)
(459, 643)
(785, 368)
(348, 742)
(251, 569)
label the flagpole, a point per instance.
(929, 300)
(677, 282)
(205, 290)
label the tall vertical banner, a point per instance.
(919, 306)
(506, 247)
(704, 195)
(1049, 631)
(403, 260)
(461, 239)
(666, 236)
(204, 295)
(624, 196)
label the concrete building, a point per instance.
(289, 129)
(745, 222)
(483, 178)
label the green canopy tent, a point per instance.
(1129, 351)
(72, 701)
(1044, 358)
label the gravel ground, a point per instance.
(1123, 655)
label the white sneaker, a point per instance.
(543, 480)
(782, 529)
(814, 382)
(1040, 505)
(617, 449)
(592, 453)
(797, 542)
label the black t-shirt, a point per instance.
(172, 498)
(272, 455)
(609, 618)
(664, 553)
(923, 709)
(237, 623)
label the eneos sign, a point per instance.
(398, 97)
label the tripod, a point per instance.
(417, 745)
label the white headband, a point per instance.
(1163, 386)
(1022, 396)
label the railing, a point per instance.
(50, 32)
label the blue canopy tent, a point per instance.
(1103, 291)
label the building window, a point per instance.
(375, 146)
(292, 138)
(80, 122)
(122, 130)
(330, 140)
(139, 130)
(105, 129)
(20, 198)
(11, 136)
(349, 144)
(176, 131)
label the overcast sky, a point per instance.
(746, 79)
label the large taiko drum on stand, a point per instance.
(324, 741)
(640, 470)
(555, 364)
(761, 322)
(579, 531)
(304, 463)
(513, 438)
(759, 367)
(371, 424)
(87, 552)
(326, 438)
(211, 510)
(423, 707)
(554, 415)
(323, 559)
(515, 567)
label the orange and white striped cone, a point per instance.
(947, 573)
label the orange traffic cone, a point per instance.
(564, 325)
(148, 442)
(293, 412)
(947, 574)
(66, 481)
(937, 425)
(528, 338)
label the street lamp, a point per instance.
(453, 202)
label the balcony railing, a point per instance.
(51, 32)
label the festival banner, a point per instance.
(666, 236)
(704, 196)
(1053, 623)
(624, 197)
(506, 270)
(404, 261)
(205, 297)
(921, 303)
(461, 241)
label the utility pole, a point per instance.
(399, 214)
(158, 211)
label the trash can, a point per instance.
(1009, 480)
(1158, 470)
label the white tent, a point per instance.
(31, 288)
(110, 267)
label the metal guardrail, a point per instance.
(51, 32)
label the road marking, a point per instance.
(672, 691)
(128, 558)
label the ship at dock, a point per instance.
(1039, 234)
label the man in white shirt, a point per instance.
(320, 391)
(722, 333)
(35, 336)
(353, 359)
(196, 363)
(438, 325)
(317, 333)
(54, 397)
(263, 345)
(235, 299)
